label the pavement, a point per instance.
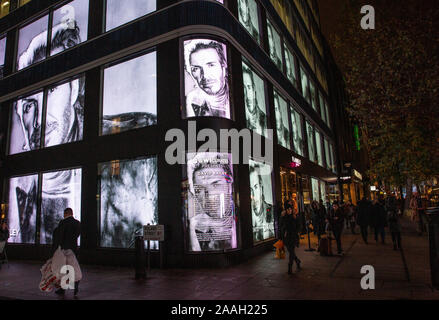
(399, 275)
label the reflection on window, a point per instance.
(121, 12)
(130, 95)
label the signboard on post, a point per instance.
(154, 232)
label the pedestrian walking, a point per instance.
(336, 221)
(363, 217)
(379, 219)
(66, 236)
(421, 215)
(393, 221)
(290, 235)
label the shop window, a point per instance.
(209, 207)
(290, 65)
(323, 191)
(289, 186)
(206, 79)
(69, 28)
(128, 200)
(59, 190)
(261, 194)
(249, 17)
(65, 113)
(311, 144)
(130, 95)
(121, 12)
(305, 85)
(296, 124)
(319, 148)
(306, 190)
(22, 208)
(282, 122)
(274, 45)
(254, 97)
(2, 55)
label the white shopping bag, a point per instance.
(58, 261)
(48, 279)
(72, 261)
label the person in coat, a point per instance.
(290, 235)
(379, 220)
(4, 232)
(336, 222)
(66, 236)
(393, 221)
(363, 217)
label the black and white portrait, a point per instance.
(130, 95)
(282, 120)
(59, 190)
(65, 113)
(2, 55)
(315, 189)
(25, 130)
(312, 89)
(327, 155)
(274, 45)
(311, 145)
(296, 124)
(22, 208)
(290, 65)
(254, 95)
(319, 148)
(71, 21)
(305, 85)
(249, 17)
(120, 12)
(261, 194)
(32, 43)
(206, 79)
(210, 217)
(128, 200)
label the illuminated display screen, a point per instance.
(290, 65)
(249, 17)
(311, 144)
(121, 12)
(210, 211)
(206, 79)
(313, 95)
(22, 209)
(32, 41)
(2, 55)
(65, 113)
(315, 189)
(322, 108)
(274, 45)
(261, 201)
(327, 155)
(319, 148)
(296, 124)
(254, 95)
(69, 26)
(323, 191)
(305, 85)
(60, 190)
(282, 122)
(128, 200)
(25, 134)
(130, 95)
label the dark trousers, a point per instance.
(396, 238)
(364, 233)
(337, 234)
(292, 255)
(380, 231)
(352, 223)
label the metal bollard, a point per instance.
(433, 238)
(140, 258)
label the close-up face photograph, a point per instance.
(220, 158)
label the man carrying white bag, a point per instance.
(64, 261)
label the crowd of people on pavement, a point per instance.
(330, 220)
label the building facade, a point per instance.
(96, 95)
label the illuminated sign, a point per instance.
(295, 162)
(357, 174)
(373, 188)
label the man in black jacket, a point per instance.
(66, 236)
(363, 217)
(290, 235)
(336, 221)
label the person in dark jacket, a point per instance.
(290, 235)
(66, 236)
(4, 232)
(393, 221)
(363, 217)
(379, 220)
(336, 222)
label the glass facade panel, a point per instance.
(319, 148)
(4, 7)
(2, 55)
(282, 121)
(274, 45)
(254, 96)
(249, 17)
(121, 12)
(327, 155)
(305, 86)
(130, 95)
(290, 65)
(297, 132)
(311, 144)
(315, 189)
(313, 95)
